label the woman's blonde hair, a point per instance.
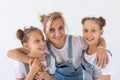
(47, 20)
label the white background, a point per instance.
(16, 14)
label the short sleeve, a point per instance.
(20, 71)
(52, 66)
(83, 43)
(108, 69)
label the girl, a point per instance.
(92, 31)
(33, 41)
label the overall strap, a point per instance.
(50, 51)
(109, 52)
(27, 69)
(70, 47)
(82, 57)
(48, 60)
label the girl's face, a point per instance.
(91, 32)
(56, 34)
(36, 43)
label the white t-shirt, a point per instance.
(98, 72)
(78, 44)
(20, 71)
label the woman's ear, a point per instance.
(44, 30)
(26, 46)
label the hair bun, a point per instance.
(42, 18)
(102, 21)
(20, 34)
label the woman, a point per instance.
(54, 29)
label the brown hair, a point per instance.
(100, 21)
(23, 35)
(46, 20)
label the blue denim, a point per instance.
(87, 70)
(67, 71)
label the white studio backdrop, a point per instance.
(16, 14)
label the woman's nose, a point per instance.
(57, 33)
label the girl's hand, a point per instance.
(34, 66)
(40, 75)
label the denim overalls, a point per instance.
(66, 70)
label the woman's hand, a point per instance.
(102, 57)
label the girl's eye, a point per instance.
(37, 41)
(52, 30)
(93, 30)
(85, 30)
(61, 27)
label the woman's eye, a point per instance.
(52, 30)
(85, 30)
(43, 39)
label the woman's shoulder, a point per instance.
(78, 38)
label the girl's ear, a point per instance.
(26, 46)
(101, 32)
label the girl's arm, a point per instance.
(19, 54)
(106, 77)
(44, 75)
(49, 77)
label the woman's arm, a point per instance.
(19, 54)
(102, 56)
(106, 77)
(19, 78)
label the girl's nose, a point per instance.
(89, 34)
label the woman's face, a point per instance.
(91, 32)
(56, 34)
